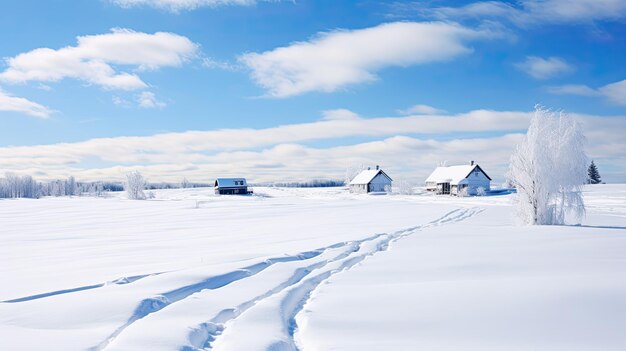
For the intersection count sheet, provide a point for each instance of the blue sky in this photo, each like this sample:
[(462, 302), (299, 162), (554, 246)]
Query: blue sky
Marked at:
[(144, 68)]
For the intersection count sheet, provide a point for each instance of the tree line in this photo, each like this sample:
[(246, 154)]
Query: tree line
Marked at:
[(25, 186)]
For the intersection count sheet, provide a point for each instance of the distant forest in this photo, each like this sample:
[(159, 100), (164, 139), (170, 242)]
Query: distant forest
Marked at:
[(16, 186)]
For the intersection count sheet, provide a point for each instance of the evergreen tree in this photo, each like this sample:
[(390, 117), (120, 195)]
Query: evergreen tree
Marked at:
[(593, 176)]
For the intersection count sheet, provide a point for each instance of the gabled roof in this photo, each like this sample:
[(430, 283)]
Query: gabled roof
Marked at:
[(230, 182), (453, 174), (366, 176)]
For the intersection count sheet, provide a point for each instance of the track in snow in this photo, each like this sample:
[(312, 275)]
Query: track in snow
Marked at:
[(289, 299), (283, 300), (118, 281)]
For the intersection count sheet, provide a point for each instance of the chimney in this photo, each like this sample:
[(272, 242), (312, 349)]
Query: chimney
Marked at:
[(471, 163), (377, 167)]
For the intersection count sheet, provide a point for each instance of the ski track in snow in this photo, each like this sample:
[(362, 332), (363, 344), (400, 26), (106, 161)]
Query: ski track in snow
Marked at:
[(299, 288), (292, 293), (118, 281)]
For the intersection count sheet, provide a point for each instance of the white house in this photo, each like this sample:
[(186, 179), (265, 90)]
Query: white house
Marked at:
[(370, 180), (231, 186), (453, 179)]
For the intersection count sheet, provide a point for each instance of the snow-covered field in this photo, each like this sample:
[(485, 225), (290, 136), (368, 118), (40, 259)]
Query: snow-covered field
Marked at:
[(309, 269)]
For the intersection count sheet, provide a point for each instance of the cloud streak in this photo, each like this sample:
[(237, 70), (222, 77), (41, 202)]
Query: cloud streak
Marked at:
[(337, 59), (201, 155), (11, 103), (421, 110), (95, 57), (544, 68), (536, 12), (179, 5), (147, 99), (613, 92)]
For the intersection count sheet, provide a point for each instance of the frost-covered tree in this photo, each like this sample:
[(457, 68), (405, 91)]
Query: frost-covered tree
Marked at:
[(507, 184), (71, 188), (15, 186), (593, 176), (351, 172), (549, 169), (403, 187), (184, 183), (135, 185), (57, 188), (481, 191), (463, 192)]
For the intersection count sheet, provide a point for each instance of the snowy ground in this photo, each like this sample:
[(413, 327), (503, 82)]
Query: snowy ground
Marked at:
[(309, 269)]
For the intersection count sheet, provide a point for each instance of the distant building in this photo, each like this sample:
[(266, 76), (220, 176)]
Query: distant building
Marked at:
[(454, 179), (370, 180), (231, 186)]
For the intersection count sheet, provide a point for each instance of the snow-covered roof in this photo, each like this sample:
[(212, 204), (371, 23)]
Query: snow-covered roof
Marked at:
[(452, 174), (366, 176), (230, 182)]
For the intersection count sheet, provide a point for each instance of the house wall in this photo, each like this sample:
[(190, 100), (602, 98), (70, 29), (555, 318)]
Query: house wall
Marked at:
[(231, 191), (358, 188), (379, 183), (474, 181)]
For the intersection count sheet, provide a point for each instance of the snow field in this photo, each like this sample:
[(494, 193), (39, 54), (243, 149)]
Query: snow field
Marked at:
[(309, 269)]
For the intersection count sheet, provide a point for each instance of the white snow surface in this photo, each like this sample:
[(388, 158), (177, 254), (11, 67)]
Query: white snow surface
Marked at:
[(309, 269)]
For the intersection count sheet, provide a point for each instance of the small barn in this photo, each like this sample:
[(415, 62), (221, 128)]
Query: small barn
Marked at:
[(231, 186), (370, 180), (455, 179)]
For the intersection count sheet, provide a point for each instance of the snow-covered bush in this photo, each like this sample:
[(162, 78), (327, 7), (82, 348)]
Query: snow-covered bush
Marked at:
[(463, 192), (508, 184), (403, 187), (549, 169), (388, 189), (480, 191), (135, 185)]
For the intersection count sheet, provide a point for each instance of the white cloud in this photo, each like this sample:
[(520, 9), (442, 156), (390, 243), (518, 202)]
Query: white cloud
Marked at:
[(44, 87), (572, 89), (614, 92), (544, 68), (421, 110), (11, 103), (178, 5), (194, 146), (538, 12), (120, 101), (210, 63), (93, 59), (334, 60), (339, 114), (201, 155), (147, 99)]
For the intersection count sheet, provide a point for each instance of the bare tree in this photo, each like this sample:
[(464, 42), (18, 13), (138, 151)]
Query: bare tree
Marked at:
[(403, 187)]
